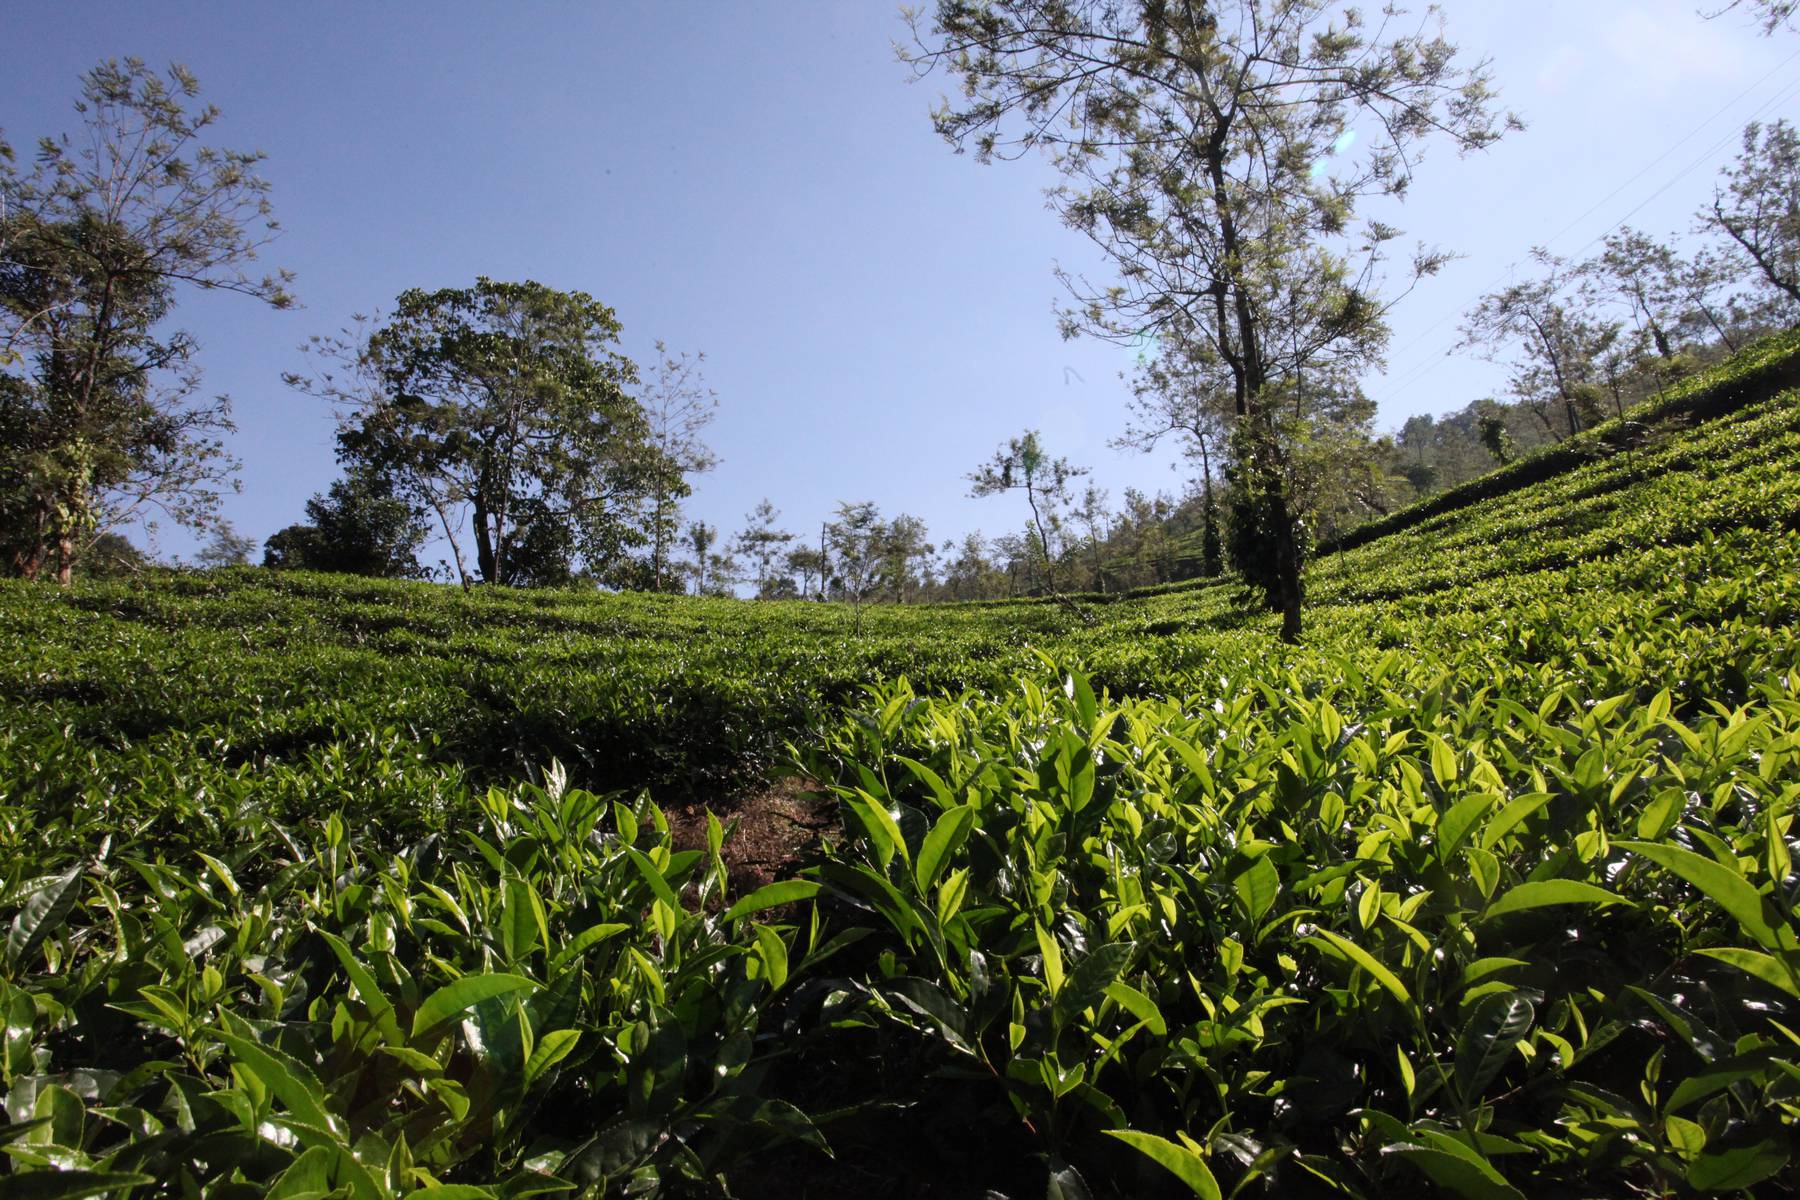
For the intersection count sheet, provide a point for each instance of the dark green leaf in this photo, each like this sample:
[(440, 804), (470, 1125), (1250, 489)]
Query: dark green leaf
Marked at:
[(1490, 1035)]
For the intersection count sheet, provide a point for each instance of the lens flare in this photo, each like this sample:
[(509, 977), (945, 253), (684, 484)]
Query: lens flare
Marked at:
[(1339, 147)]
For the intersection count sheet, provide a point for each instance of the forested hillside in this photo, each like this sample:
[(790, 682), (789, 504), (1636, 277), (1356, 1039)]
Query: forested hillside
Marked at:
[(326, 884)]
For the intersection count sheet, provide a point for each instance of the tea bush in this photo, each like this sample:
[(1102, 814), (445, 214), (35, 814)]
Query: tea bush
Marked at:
[(548, 998), (1502, 908)]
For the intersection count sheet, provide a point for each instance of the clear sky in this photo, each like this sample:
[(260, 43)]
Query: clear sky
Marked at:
[(761, 182)]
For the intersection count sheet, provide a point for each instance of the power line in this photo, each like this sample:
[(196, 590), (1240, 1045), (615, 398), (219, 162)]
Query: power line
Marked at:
[(1432, 361), (1651, 165), (1646, 169), (1786, 94)]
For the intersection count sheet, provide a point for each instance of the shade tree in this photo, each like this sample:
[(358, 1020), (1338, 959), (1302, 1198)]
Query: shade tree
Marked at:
[(1756, 210), (1182, 394), (1553, 341), (1023, 465), (359, 526), (506, 411), (1190, 140)]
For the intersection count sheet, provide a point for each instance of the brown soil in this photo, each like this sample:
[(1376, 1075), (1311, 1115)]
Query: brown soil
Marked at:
[(777, 831)]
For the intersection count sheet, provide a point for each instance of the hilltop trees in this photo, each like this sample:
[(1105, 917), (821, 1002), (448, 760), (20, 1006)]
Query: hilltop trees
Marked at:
[(1647, 276), (1558, 338), (1588, 337), (713, 571), (807, 563), (506, 401), (1191, 139), (100, 417), (225, 548)]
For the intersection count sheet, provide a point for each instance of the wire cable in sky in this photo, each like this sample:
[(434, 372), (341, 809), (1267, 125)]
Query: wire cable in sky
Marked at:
[(1431, 361)]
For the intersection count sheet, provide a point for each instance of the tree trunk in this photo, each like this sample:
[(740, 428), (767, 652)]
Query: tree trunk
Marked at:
[(658, 542), (1211, 560), (1043, 540), (1719, 329), (485, 564), (1661, 339), (443, 516), (30, 563), (1288, 583)]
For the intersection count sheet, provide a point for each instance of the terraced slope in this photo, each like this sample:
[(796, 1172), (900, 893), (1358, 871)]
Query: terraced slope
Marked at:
[(1487, 887)]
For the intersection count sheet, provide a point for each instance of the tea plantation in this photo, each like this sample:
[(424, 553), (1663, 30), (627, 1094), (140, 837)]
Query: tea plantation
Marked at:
[(317, 886)]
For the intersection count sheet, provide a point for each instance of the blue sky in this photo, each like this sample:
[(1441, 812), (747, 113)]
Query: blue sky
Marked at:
[(760, 181)]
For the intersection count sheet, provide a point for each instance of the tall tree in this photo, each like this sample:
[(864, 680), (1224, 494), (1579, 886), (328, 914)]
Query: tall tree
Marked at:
[(507, 403), (1092, 514), (1021, 465), (1191, 138), (677, 406), (1646, 275), (101, 421), (761, 542)]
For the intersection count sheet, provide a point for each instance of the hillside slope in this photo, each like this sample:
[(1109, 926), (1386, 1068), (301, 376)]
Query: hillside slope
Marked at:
[(1488, 885)]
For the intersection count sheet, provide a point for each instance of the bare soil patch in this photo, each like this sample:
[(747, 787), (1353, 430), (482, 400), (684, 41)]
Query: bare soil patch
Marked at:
[(777, 831)]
